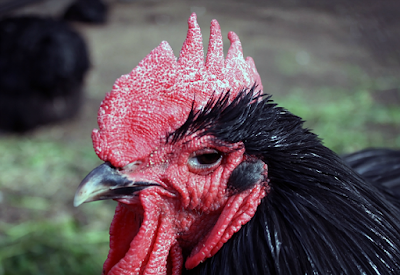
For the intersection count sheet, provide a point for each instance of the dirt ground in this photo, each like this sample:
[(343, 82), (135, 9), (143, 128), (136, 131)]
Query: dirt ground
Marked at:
[(295, 43)]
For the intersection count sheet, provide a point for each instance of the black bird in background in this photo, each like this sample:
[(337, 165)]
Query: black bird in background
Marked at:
[(43, 62)]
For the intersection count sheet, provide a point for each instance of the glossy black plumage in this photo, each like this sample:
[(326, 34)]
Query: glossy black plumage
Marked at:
[(378, 165), (320, 216)]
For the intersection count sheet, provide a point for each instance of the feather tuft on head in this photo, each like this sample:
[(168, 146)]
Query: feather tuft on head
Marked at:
[(157, 96)]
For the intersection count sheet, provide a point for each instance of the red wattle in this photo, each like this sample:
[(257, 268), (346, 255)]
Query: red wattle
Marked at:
[(147, 251), (238, 210), (122, 230)]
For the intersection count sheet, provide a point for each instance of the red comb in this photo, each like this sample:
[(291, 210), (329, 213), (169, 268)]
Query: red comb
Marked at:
[(156, 97)]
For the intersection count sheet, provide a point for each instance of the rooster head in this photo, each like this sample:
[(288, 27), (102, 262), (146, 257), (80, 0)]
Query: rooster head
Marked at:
[(182, 192)]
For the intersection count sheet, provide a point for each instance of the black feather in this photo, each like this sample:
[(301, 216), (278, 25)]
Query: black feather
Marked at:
[(320, 217), (379, 166)]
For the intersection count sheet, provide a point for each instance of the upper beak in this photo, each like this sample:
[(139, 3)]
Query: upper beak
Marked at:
[(105, 182)]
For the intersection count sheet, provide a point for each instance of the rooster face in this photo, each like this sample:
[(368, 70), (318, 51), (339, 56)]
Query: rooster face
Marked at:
[(179, 199), (170, 173)]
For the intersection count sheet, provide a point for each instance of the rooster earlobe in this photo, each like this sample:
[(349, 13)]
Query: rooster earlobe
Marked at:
[(215, 52), (191, 57), (247, 174)]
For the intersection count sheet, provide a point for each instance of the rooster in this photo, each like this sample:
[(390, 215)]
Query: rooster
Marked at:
[(212, 177)]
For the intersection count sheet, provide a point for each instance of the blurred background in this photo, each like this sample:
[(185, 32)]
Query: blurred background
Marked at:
[(336, 64)]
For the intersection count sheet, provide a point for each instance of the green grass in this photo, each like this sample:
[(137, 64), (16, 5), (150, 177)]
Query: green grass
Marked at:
[(47, 247), (40, 231)]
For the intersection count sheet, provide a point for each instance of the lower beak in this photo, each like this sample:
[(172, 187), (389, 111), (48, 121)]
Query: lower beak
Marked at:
[(105, 182)]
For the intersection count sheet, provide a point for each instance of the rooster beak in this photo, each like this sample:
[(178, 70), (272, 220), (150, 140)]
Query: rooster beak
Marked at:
[(105, 182)]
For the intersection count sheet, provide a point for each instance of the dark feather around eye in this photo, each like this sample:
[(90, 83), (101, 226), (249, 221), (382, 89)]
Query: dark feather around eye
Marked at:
[(246, 175)]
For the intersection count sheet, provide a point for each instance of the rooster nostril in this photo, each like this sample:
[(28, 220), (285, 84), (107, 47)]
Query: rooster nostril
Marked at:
[(131, 167)]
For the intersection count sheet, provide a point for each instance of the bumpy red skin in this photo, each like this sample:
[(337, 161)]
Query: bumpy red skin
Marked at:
[(189, 211), (191, 208)]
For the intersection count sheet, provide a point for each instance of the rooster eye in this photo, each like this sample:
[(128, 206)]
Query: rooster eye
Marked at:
[(207, 159), (204, 160)]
